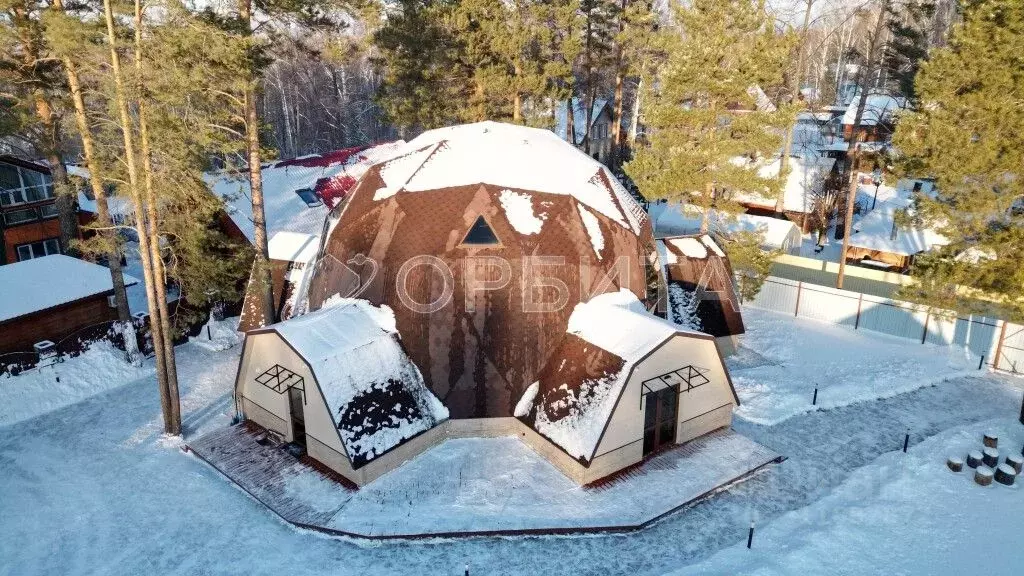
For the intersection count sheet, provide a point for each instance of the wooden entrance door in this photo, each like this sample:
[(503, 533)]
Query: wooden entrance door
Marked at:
[(296, 403), (660, 419)]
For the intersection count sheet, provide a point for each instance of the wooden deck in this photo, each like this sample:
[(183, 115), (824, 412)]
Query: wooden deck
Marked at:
[(479, 486)]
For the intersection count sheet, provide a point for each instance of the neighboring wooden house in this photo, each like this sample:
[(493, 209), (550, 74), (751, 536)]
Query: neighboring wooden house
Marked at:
[(599, 146), (28, 212), (52, 297), (879, 241), (810, 177), (878, 122)]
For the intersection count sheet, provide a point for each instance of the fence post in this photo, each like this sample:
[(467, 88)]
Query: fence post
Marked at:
[(799, 288), (999, 346), (860, 300)]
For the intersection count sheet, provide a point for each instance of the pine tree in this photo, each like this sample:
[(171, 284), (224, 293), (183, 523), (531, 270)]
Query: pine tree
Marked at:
[(35, 81), (637, 23), (423, 84), (65, 38), (969, 134), (599, 20), (707, 138), (701, 116), (909, 28)]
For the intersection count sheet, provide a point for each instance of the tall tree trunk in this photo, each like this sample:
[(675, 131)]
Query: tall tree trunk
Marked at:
[(289, 134), (857, 135), (570, 120), (620, 72), (50, 142), (705, 216), (259, 220), (152, 218), (517, 97), (794, 91), (141, 227), (103, 219), (634, 117)]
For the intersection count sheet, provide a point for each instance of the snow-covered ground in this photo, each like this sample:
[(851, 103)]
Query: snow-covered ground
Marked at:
[(901, 514), (93, 488), (55, 386), (845, 366)]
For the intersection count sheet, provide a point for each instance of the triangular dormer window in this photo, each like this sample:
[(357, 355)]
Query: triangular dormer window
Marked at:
[(480, 234)]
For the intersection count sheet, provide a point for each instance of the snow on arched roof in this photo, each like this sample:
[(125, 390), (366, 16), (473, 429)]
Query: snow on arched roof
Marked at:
[(618, 324), (509, 157), (351, 347)]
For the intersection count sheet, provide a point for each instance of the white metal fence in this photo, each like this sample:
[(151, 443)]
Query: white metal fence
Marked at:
[(995, 342)]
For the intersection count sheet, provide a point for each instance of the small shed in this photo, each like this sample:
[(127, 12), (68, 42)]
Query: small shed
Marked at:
[(701, 294), (625, 384), (51, 298), (338, 383), (291, 257)]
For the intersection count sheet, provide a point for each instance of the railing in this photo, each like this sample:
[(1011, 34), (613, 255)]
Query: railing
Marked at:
[(70, 346)]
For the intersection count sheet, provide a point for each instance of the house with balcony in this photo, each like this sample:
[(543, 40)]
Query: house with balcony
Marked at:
[(28, 212)]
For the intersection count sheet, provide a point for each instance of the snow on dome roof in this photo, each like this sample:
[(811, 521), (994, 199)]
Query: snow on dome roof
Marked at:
[(375, 394), (40, 283), (509, 157)]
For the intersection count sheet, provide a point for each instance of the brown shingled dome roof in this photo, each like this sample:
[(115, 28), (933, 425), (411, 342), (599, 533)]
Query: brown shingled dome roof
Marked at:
[(464, 199)]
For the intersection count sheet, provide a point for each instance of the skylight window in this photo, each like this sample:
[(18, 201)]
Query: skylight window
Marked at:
[(480, 234), (309, 197)]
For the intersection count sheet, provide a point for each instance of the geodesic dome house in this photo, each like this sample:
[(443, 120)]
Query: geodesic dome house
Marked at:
[(499, 231), (506, 275)]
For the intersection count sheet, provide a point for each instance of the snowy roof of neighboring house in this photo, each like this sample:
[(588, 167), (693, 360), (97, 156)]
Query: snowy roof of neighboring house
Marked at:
[(579, 117), (293, 247), (806, 178), (605, 338), (878, 108), (874, 231), (509, 157), (40, 283), (365, 376), (672, 219), (284, 209), (117, 205)]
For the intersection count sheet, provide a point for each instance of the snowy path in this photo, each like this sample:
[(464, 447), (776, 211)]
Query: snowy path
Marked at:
[(901, 514), (92, 489)]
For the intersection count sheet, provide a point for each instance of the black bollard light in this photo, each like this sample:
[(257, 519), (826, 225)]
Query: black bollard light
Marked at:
[(1022, 410), (814, 401), (906, 441), (467, 569), (750, 535)]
